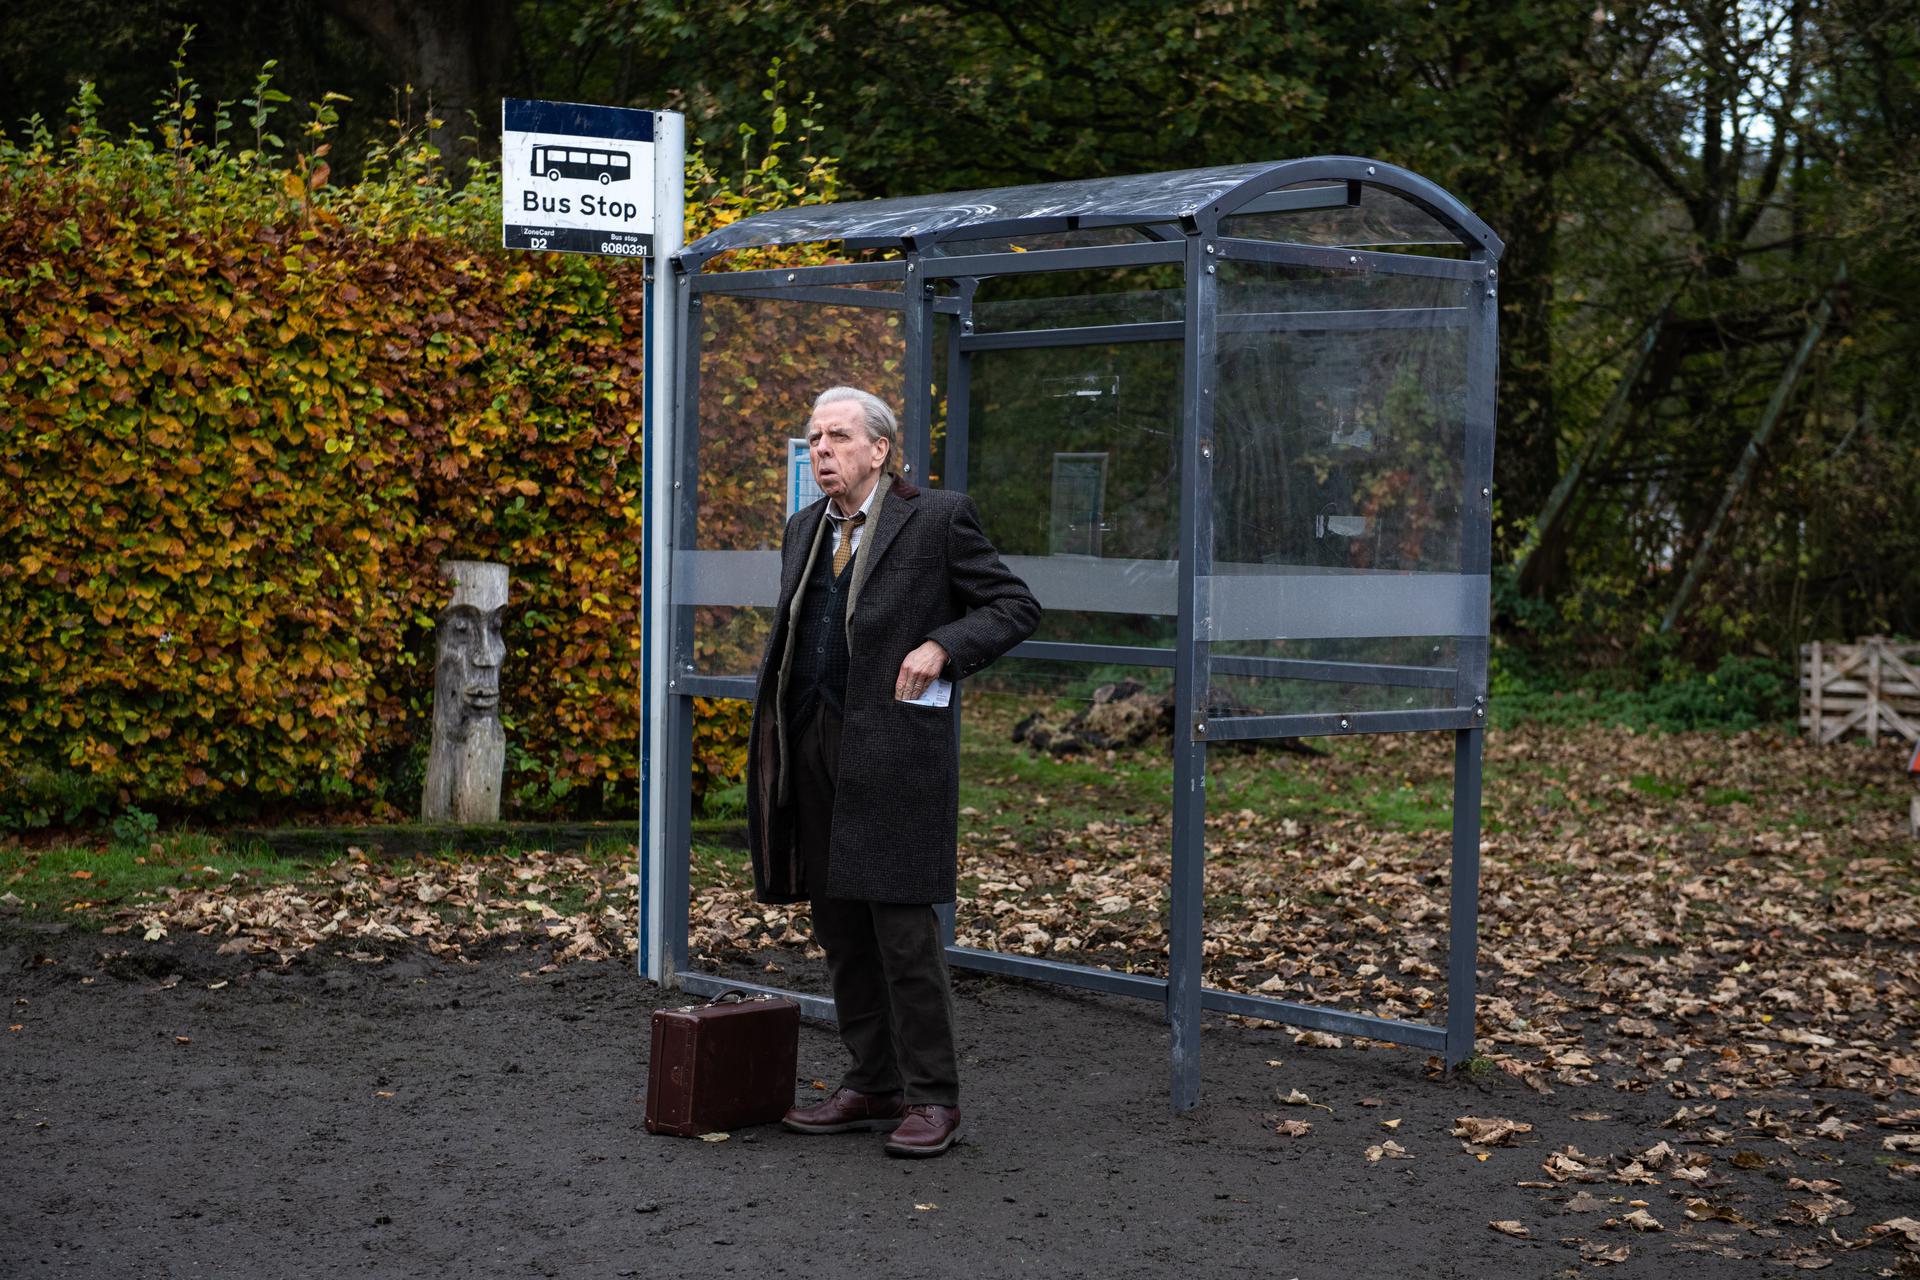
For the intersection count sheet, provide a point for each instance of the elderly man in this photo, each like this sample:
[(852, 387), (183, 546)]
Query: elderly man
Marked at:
[(888, 594)]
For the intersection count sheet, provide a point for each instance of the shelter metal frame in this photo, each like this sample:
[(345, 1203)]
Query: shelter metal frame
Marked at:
[(1180, 223)]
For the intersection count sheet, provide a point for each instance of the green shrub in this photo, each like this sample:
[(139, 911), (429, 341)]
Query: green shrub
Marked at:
[(134, 829), (1739, 693)]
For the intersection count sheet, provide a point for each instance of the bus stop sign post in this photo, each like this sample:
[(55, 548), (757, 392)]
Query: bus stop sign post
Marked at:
[(576, 178)]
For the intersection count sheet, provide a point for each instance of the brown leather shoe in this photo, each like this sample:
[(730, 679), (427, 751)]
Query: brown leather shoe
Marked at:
[(847, 1111), (927, 1130)]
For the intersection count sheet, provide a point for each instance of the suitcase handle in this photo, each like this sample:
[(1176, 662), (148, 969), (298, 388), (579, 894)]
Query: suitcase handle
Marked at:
[(730, 997)]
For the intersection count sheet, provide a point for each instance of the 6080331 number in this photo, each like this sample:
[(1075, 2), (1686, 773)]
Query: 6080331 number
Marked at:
[(623, 249)]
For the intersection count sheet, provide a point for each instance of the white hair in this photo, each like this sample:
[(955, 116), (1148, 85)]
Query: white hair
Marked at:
[(874, 414)]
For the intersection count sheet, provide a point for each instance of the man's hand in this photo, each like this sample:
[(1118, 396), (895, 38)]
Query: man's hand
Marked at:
[(921, 668)]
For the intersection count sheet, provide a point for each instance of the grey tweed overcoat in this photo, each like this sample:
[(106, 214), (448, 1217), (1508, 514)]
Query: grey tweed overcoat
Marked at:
[(924, 570)]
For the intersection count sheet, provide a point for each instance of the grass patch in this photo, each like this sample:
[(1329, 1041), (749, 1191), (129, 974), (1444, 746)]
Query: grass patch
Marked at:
[(1410, 808), (1659, 788), (402, 840), (1005, 781), (718, 860), (62, 881), (1309, 791), (88, 882), (1010, 786), (1477, 1067)]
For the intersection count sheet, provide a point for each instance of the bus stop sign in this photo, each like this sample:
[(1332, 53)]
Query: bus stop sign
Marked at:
[(576, 178)]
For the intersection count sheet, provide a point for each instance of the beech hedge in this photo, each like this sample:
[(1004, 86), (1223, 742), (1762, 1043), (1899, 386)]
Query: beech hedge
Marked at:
[(244, 414)]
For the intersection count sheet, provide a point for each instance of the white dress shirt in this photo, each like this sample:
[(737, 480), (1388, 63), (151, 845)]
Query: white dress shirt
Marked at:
[(841, 523)]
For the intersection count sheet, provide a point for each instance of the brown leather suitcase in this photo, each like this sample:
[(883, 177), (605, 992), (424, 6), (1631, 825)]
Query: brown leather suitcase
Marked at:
[(721, 1066)]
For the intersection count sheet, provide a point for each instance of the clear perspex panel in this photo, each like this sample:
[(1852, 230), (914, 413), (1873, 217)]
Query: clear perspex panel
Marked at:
[(1340, 425), (1338, 503), (1380, 219), (762, 362), (1072, 452)]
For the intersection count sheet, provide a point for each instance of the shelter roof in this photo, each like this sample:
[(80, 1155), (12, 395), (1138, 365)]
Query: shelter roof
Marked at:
[(1131, 200)]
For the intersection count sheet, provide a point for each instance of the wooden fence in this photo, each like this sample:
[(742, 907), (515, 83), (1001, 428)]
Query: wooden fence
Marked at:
[(1869, 688)]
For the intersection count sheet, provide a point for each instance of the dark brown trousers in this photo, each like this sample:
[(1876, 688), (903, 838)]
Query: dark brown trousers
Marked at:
[(886, 960)]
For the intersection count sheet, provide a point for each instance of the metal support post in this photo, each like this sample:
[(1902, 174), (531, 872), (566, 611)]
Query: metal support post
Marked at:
[(1463, 926), (916, 392), (674, 886), (1476, 554), (953, 475), (1185, 958), (677, 755), (953, 461), (663, 338)]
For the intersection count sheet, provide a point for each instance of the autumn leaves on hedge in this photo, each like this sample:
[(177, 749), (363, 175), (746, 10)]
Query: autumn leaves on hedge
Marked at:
[(242, 417)]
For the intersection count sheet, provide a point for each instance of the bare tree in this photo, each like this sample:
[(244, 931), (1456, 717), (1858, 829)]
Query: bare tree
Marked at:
[(1720, 134)]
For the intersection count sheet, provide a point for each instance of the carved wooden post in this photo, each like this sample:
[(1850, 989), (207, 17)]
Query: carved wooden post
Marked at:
[(469, 749)]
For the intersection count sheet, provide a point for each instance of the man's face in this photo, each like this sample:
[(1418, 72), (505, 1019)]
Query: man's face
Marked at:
[(845, 461)]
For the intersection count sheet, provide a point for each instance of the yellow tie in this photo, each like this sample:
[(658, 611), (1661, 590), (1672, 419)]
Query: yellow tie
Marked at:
[(844, 552)]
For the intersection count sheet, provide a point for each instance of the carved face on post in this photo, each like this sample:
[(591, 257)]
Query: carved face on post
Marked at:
[(467, 672)]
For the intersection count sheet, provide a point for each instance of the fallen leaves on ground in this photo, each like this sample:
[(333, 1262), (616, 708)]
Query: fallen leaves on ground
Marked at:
[(1510, 1227), (1570, 1163), (1702, 1210), (1717, 920), (1678, 895), (1488, 1131), (575, 908), (1902, 1230)]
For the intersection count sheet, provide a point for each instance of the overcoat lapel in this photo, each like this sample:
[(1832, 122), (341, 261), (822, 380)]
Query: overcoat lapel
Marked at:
[(793, 578), (793, 569), (893, 513)]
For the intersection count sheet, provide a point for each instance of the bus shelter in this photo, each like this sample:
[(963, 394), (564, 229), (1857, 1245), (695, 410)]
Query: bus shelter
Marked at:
[(1234, 424)]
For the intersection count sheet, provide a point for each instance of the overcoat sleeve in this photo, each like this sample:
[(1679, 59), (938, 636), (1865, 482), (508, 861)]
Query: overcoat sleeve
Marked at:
[(998, 611)]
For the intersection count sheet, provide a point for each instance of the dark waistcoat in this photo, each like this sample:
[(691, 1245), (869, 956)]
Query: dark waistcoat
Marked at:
[(820, 658)]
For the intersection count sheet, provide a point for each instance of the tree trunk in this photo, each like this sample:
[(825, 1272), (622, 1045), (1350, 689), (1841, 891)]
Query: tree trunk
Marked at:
[(1749, 462), (1543, 561), (1527, 458), (456, 53)]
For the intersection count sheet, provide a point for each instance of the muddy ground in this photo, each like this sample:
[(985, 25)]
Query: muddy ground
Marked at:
[(177, 1112)]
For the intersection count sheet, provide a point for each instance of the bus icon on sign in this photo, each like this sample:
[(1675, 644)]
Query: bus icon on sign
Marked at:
[(555, 163)]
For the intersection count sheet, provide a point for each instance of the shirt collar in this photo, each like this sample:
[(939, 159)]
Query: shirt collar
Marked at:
[(833, 512)]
